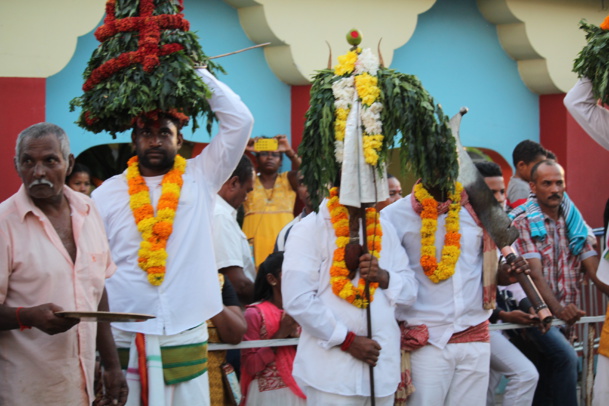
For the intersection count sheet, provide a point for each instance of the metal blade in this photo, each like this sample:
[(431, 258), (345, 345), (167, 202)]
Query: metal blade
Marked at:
[(489, 211)]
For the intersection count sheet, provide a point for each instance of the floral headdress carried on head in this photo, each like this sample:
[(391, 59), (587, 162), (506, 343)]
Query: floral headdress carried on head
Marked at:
[(144, 66), (592, 59), (360, 94)]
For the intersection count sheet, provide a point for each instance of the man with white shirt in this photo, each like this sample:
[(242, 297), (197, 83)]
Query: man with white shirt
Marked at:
[(334, 355), (233, 253), (158, 216), (446, 329)]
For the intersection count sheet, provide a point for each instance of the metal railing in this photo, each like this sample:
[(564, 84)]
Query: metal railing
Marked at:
[(581, 346), (592, 302)]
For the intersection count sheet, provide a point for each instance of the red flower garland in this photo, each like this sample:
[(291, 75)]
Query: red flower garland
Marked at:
[(149, 27)]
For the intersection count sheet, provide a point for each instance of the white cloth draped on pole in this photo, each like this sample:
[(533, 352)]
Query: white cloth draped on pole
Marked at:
[(360, 182)]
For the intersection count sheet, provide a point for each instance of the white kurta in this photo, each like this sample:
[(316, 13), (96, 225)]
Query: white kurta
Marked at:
[(230, 243), (325, 318), (452, 305), (593, 118), (190, 293)]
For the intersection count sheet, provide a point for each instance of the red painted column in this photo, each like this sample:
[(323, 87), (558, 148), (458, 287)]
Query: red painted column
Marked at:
[(586, 163), (300, 105), (22, 103)]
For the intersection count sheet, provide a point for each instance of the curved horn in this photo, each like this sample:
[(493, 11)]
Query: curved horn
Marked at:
[(380, 55), (330, 56)]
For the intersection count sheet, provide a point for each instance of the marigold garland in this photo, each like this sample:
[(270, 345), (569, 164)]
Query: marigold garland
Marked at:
[(155, 230), (339, 274), (429, 224)]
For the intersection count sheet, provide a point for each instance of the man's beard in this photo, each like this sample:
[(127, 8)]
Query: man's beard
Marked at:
[(165, 163)]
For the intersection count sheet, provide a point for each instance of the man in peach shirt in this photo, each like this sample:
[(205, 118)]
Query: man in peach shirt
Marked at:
[(54, 256)]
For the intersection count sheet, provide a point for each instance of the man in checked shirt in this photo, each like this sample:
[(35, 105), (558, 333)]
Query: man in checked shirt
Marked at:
[(555, 244)]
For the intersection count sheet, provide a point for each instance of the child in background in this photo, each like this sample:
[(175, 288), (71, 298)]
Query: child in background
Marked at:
[(266, 373), (80, 179), (526, 154)]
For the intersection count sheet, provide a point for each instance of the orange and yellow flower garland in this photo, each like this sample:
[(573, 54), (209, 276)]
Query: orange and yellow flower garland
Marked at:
[(429, 224), (155, 230), (339, 274)]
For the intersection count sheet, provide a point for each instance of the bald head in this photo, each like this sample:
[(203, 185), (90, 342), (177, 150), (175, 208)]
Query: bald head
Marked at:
[(545, 162)]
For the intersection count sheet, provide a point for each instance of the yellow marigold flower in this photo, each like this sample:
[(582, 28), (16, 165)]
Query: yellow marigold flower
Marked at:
[(139, 199), (346, 63), (342, 114), (429, 251), (340, 264), (342, 241), (340, 127), (371, 157), (451, 251), (367, 89), (165, 214), (428, 241), (156, 279), (171, 189), (146, 224)]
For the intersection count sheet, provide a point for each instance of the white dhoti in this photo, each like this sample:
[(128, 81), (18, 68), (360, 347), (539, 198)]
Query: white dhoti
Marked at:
[(317, 397), (455, 375), (194, 392)]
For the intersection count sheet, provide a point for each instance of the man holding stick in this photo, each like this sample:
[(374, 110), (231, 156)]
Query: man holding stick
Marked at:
[(334, 353), (343, 270)]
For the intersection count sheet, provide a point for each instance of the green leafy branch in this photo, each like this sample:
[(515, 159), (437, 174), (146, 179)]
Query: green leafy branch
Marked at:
[(427, 146), (593, 60)]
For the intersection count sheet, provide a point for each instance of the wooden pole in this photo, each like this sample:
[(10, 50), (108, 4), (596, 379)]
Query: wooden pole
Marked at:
[(233, 53), (367, 295)]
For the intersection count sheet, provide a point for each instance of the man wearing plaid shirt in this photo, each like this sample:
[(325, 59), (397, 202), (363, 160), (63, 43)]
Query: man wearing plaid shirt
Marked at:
[(555, 265)]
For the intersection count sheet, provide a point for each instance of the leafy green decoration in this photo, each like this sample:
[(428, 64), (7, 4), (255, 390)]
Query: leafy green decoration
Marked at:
[(427, 146), (114, 103), (319, 167), (593, 60)]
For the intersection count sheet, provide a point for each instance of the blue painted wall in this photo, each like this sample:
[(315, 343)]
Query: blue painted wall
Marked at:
[(217, 25), (457, 56), (454, 51)]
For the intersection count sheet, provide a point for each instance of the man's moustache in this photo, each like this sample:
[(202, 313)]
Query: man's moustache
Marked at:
[(38, 182)]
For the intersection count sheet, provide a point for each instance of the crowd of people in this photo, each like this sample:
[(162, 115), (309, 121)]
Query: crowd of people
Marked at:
[(405, 321)]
